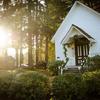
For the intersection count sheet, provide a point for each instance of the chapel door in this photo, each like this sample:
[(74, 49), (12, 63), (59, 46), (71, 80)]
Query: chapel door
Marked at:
[(81, 49)]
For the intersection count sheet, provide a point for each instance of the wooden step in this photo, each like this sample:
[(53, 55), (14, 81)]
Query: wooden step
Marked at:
[(73, 70)]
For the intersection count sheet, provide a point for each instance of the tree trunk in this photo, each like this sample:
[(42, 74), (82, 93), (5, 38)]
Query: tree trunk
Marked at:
[(16, 57), (21, 56), (30, 63), (30, 49), (36, 49), (46, 50), (40, 37)]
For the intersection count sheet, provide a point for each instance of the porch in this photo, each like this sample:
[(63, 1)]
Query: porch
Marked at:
[(78, 44)]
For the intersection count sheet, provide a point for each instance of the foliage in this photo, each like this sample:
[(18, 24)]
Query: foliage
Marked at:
[(54, 66), (41, 64), (95, 62), (65, 54), (66, 87), (31, 85), (91, 82), (92, 63), (77, 87), (27, 85), (5, 82)]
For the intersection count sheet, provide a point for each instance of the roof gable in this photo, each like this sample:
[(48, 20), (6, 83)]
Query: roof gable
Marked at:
[(68, 15), (81, 31)]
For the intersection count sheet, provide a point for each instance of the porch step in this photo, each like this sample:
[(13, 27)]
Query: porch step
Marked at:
[(72, 70)]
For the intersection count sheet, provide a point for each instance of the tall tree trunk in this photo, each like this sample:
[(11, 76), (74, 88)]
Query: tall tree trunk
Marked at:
[(21, 39), (46, 50), (21, 55), (91, 4), (30, 63), (16, 57), (37, 49), (41, 51), (33, 50)]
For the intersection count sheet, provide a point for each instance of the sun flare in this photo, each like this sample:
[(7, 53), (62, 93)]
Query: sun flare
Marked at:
[(6, 43), (4, 38)]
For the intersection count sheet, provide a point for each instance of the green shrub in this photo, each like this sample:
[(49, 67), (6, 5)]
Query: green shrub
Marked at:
[(41, 64), (27, 85), (93, 63), (54, 66), (31, 85), (66, 87), (91, 82), (77, 87), (5, 82), (35, 85)]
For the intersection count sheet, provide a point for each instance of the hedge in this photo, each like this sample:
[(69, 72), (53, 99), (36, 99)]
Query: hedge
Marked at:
[(77, 87), (66, 87), (27, 85), (31, 85)]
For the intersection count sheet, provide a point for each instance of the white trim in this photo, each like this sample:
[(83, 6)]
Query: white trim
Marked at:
[(66, 37)]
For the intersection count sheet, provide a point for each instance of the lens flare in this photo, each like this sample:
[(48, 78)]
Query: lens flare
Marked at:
[(4, 38)]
